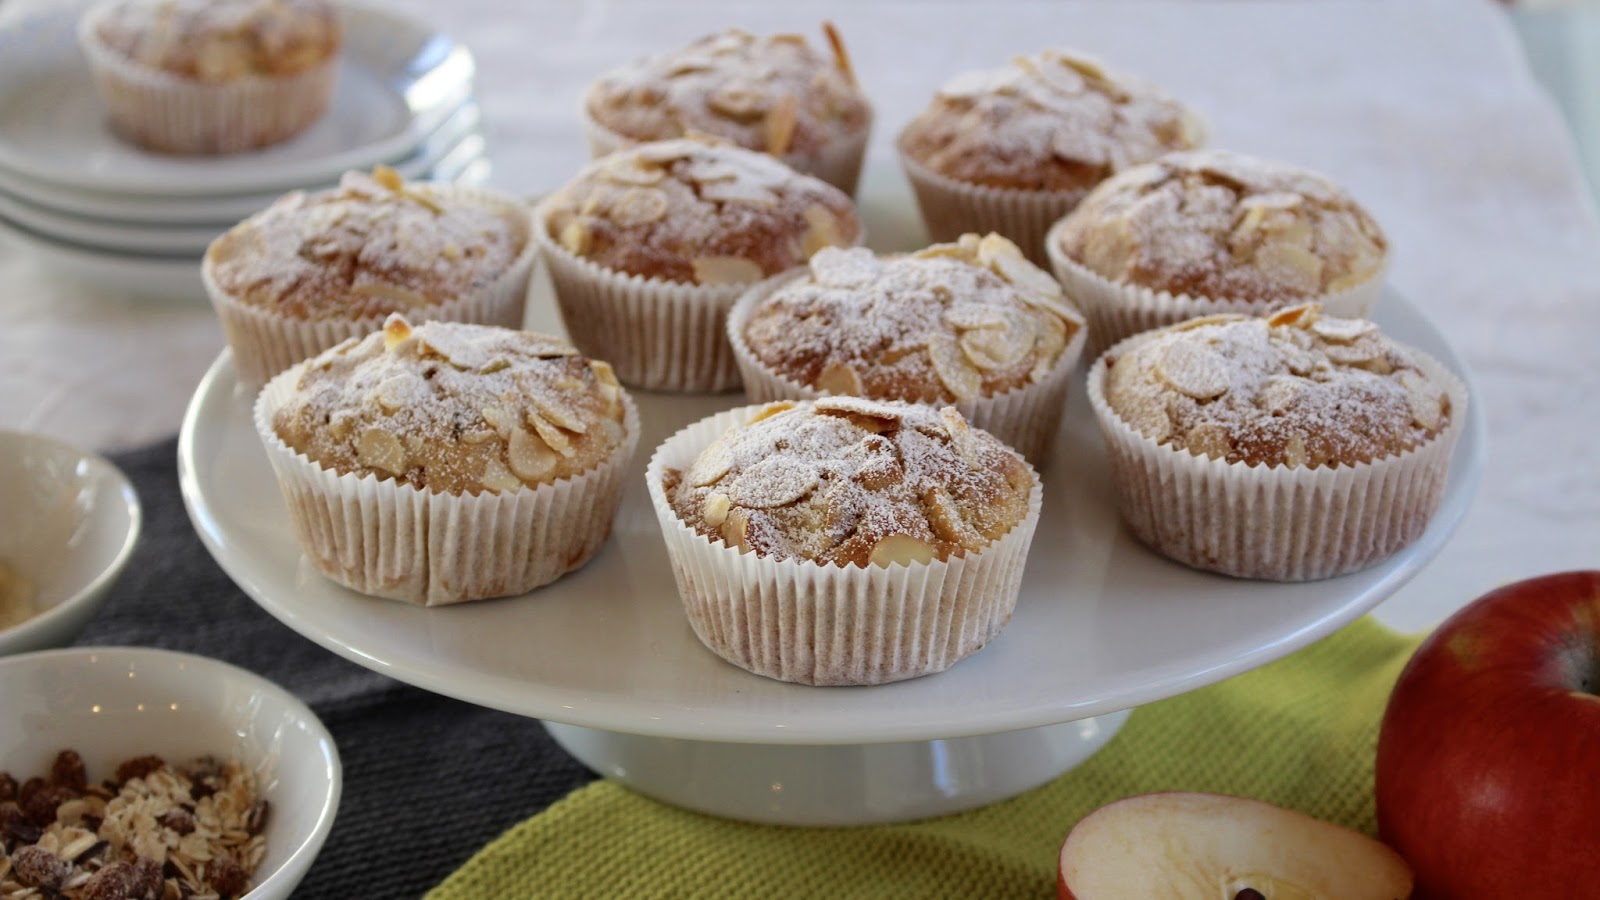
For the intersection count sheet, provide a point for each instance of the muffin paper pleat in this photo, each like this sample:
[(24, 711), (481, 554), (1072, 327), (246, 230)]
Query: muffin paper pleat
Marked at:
[(1025, 417), (1116, 311), (805, 622), (387, 539), (1275, 523), (266, 341)]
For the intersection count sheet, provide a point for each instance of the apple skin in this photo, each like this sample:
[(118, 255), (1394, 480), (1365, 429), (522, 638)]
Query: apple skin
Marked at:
[(1488, 751)]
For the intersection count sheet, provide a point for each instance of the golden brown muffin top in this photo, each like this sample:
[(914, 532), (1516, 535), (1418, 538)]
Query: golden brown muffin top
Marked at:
[(774, 94), (1051, 122), (1223, 225), (698, 212), (949, 323), (1297, 388), (375, 245), (221, 40), (849, 481), (455, 408)]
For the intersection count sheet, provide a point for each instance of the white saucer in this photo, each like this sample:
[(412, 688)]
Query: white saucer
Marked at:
[(398, 79)]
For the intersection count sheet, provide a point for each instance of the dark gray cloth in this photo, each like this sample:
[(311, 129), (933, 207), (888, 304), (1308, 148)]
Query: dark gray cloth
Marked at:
[(427, 780)]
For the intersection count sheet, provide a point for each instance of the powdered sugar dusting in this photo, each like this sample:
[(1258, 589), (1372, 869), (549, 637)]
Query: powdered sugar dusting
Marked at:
[(1221, 225), (218, 40), (832, 482), (1298, 390), (1054, 121), (366, 249), (658, 209), (454, 408)]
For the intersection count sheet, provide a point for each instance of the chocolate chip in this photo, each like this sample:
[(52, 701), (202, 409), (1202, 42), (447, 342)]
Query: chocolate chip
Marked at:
[(226, 876), (114, 882), (138, 767), (179, 820), (8, 787), (68, 770), (40, 806)]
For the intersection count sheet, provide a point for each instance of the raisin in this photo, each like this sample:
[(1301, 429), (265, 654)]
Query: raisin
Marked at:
[(38, 867), (8, 787), (139, 767), (226, 876), (68, 770), (114, 882), (14, 825), (256, 820), (206, 777), (40, 807), (177, 819)]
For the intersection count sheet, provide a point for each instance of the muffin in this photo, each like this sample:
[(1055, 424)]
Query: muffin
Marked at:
[(1215, 232), (314, 269), (971, 324), (448, 462), (844, 540), (212, 76), (772, 94), (648, 247), (1292, 447), (1012, 150)]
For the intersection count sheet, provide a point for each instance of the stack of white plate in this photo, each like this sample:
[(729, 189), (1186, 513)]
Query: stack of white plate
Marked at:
[(89, 205)]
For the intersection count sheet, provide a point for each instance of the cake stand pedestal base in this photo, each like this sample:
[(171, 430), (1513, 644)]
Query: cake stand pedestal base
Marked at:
[(838, 784)]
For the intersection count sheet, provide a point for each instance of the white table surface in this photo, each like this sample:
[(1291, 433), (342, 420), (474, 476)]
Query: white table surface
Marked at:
[(1425, 110)]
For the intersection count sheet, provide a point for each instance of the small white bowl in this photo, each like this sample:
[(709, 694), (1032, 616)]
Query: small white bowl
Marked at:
[(68, 522), (111, 704)]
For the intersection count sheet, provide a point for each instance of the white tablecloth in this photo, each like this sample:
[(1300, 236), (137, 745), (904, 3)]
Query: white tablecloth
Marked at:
[(1426, 110)]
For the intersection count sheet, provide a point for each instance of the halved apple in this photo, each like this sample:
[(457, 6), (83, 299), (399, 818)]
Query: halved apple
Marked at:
[(1214, 847)]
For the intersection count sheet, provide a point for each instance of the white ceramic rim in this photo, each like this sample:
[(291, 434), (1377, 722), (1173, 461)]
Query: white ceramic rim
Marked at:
[(23, 632)]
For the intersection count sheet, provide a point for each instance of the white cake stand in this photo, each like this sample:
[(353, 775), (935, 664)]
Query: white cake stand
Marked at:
[(606, 658)]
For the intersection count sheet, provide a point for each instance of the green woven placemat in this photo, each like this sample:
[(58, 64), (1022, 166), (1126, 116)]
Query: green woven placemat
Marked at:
[(1300, 732)]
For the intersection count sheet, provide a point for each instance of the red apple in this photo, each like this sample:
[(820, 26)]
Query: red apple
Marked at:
[(1487, 756), (1213, 847)]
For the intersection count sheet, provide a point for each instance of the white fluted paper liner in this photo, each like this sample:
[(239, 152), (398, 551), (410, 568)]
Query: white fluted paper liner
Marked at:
[(839, 163), (951, 208), (393, 540), (164, 112), (658, 335), (801, 621), (1116, 311), (1025, 417), (266, 342), (1280, 523)]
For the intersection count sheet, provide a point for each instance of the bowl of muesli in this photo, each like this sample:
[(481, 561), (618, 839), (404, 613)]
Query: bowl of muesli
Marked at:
[(129, 773)]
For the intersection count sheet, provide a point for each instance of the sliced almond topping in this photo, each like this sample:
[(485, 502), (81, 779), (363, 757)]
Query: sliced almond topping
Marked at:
[(497, 478), (770, 410), (1009, 263), (738, 100), (1209, 439), (1426, 401), (530, 457), (378, 449), (709, 467), (781, 120), (563, 416), (716, 508), (477, 436), (1195, 371), (499, 419), (663, 152), (841, 58), (575, 237), (1294, 266), (773, 482), (735, 528), (992, 349), (945, 519), (1278, 394), (1294, 452), (708, 171), (1050, 338), (950, 364), (966, 315), (550, 433), (822, 230), (839, 378), (1342, 330), (603, 371), (638, 206), (1289, 315), (1358, 352), (962, 437), (388, 178), (392, 292), (858, 406), (632, 170), (901, 549), (726, 270), (396, 391), (737, 191), (425, 198)]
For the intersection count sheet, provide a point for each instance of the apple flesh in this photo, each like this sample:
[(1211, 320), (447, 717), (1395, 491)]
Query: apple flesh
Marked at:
[(1215, 847), (1487, 755)]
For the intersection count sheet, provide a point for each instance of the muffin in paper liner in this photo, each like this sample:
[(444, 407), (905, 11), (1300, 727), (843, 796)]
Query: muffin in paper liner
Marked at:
[(1276, 523), (1026, 417), (428, 548), (839, 164), (266, 342), (951, 208), (1116, 311), (810, 623), (164, 112)]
